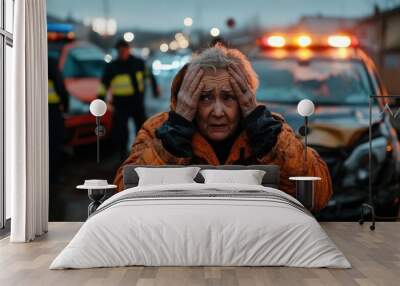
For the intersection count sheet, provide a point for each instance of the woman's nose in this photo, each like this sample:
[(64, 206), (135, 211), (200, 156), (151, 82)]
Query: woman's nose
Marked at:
[(218, 108)]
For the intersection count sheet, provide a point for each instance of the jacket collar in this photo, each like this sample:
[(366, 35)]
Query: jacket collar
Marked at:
[(202, 149)]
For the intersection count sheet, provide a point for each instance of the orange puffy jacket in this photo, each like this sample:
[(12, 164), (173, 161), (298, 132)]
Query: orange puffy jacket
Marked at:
[(288, 153)]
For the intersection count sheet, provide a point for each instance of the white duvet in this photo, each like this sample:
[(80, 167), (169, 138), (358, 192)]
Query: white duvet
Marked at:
[(188, 231)]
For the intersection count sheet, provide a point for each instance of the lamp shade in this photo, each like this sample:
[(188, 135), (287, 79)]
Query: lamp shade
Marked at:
[(305, 107), (98, 107)]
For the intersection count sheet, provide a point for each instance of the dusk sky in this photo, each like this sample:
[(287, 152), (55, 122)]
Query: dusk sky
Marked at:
[(167, 15)]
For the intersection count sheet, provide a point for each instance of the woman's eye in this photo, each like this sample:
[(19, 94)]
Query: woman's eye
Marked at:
[(205, 97), (229, 97)]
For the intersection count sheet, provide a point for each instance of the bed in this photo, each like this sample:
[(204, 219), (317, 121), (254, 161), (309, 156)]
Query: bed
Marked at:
[(198, 224)]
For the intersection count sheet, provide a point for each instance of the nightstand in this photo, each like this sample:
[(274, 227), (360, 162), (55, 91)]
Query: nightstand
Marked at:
[(97, 191), (305, 188)]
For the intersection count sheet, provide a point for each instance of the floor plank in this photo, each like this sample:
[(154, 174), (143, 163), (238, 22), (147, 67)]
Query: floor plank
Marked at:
[(375, 257)]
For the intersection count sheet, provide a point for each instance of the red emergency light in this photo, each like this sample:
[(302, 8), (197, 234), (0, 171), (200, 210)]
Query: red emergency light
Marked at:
[(56, 36), (307, 41)]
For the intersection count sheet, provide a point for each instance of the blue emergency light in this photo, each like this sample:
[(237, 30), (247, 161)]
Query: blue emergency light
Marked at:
[(60, 27)]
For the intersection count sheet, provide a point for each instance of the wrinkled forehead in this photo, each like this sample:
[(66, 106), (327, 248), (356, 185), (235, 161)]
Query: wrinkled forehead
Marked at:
[(216, 79)]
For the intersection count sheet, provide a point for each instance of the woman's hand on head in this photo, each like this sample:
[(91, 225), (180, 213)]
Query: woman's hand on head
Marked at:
[(245, 96), (189, 93)]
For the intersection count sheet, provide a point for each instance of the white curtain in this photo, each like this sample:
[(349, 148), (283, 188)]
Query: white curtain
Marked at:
[(26, 124)]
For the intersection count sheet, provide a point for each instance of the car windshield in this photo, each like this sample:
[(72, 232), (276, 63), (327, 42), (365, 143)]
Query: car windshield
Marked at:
[(324, 81), (84, 62)]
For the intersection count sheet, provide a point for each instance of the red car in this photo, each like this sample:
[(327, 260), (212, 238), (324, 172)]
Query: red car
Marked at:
[(81, 64)]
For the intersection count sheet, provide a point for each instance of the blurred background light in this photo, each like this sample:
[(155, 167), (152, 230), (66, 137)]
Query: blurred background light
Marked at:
[(145, 53), (129, 36), (104, 27), (173, 45), (179, 36), (188, 22), (164, 47), (214, 32), (107, 58), (184, 44)]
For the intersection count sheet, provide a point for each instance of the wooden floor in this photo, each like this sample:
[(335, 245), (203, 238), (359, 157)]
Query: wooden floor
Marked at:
[(375, 256)]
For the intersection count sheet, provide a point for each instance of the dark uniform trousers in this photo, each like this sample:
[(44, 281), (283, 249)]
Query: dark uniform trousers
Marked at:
[(125, 108)]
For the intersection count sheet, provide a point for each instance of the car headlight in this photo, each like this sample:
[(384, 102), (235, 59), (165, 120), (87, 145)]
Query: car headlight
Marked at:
[(356, 165)]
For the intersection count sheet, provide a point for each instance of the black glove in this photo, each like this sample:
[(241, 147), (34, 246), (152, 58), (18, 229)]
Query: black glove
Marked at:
[(262, 130), (176, 135)]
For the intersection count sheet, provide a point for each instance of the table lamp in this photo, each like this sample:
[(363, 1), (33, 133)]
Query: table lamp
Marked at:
[(98, 108), (305, 186), (305, 108)]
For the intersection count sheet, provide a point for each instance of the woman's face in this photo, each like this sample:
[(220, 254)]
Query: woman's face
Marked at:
[(218, 111)]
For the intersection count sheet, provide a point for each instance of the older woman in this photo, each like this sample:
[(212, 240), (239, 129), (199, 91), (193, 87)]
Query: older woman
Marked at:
[(215, 119)]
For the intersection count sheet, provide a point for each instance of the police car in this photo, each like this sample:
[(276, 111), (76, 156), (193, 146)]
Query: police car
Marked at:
[(335, 73), (81, 64)]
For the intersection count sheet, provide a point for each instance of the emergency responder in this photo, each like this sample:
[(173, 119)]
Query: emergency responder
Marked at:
[(58, 100), (126, 76)]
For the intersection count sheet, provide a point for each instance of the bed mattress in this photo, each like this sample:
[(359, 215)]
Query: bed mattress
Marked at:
[(201, 225)]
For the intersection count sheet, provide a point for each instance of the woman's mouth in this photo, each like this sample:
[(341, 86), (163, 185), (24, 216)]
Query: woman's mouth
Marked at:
[(218, 127)]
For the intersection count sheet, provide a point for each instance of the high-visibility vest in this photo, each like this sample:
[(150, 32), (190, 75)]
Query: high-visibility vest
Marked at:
[(53, 97), (102, 91), (139, 80), (121, 85)]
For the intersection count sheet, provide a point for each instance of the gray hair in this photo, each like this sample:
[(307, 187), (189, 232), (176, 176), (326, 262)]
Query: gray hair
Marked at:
[(220, 57)]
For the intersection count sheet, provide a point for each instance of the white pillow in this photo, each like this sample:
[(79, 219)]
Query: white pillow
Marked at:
[(166, 176), (248, 177)]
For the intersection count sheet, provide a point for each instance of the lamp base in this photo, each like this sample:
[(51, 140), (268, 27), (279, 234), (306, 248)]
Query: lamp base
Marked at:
[(373, 217), (305, 190), (96, 197), (305, 193)]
